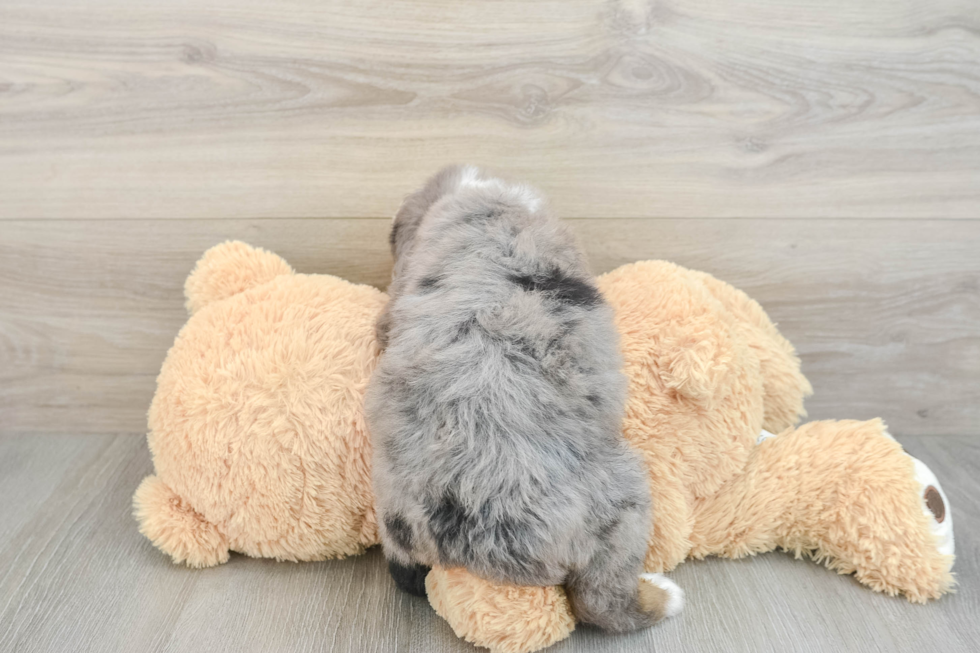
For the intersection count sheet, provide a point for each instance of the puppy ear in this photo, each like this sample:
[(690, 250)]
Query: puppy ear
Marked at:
[(228, 269)]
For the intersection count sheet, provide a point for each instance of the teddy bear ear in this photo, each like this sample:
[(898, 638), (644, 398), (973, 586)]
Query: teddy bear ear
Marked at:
[(228, 269)]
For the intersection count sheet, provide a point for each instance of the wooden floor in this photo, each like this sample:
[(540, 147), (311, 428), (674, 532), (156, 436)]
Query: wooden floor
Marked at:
[(823, 155), (76, 576)]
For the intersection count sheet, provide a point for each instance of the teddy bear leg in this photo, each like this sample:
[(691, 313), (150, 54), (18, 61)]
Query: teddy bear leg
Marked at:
[(841, 492), (504, 618), (935, 505), (175, 528)]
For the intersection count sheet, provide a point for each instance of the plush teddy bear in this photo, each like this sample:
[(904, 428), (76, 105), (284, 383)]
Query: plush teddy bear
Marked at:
[(260, 446)]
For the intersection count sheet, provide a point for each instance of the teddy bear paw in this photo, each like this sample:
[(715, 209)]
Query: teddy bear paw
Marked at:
[(936, 506)]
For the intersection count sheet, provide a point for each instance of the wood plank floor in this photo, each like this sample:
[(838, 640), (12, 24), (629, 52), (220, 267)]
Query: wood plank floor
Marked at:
[(76, 576)]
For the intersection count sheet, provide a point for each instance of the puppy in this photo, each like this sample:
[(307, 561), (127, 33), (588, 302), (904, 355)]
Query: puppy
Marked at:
[(495, 409)]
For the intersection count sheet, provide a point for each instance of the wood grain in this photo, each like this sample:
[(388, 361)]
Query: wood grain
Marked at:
[(617, 108), (885, 313), (77, 577)]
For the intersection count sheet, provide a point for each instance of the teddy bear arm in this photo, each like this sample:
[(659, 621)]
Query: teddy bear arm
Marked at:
[(504, 618), (175, 528), (784, 386)]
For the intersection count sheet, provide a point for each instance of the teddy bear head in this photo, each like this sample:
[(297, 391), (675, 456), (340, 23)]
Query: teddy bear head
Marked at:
[(256, 428)]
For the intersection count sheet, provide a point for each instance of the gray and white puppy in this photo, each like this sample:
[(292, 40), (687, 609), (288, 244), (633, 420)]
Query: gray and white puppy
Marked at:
[(496, 408)]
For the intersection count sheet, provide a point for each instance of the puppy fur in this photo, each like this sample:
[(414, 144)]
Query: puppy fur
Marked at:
[(495, 409)]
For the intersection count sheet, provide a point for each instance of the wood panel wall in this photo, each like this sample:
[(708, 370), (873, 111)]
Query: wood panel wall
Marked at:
[(823, 155)]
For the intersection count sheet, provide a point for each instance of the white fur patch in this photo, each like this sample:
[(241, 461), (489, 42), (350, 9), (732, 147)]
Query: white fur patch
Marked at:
[(676, 601), (518, 194), (528, 198), (471, 179)]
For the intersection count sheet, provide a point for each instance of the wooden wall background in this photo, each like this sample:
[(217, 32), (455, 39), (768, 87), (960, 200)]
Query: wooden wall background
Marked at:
[(823, 155)]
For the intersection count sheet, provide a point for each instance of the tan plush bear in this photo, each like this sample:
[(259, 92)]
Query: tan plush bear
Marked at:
[(260, 446)]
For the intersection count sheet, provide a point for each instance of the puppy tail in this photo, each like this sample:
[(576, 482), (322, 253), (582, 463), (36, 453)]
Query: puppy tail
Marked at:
[(617, 607), (659, 597)]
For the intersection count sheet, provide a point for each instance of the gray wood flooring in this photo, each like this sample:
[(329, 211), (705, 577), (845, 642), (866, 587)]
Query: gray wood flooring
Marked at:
[(76, 576)]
